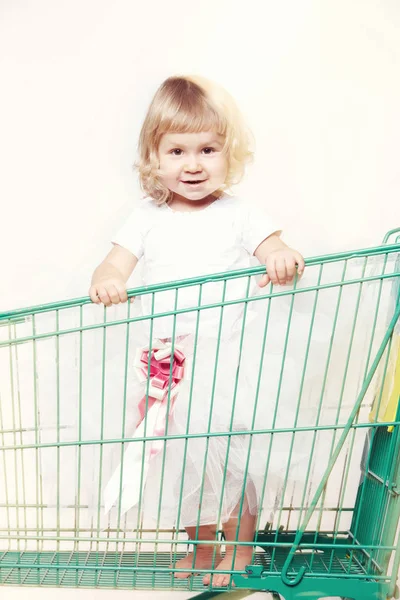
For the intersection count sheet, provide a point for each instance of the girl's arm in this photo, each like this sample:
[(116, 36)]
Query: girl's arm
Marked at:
[(280, 261), (109, 279)]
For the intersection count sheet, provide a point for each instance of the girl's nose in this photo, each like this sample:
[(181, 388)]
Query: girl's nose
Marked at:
[(193, 166)]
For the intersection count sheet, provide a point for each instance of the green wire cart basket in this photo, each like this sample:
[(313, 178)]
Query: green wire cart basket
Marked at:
[(337, 534)]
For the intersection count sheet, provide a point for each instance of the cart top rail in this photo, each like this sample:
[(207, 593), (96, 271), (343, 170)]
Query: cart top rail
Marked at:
[(257, 270)]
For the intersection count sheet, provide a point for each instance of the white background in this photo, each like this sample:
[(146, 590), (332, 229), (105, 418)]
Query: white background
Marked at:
[(318, 82)]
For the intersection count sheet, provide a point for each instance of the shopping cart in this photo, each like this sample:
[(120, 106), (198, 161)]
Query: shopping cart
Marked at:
[(336, 534)]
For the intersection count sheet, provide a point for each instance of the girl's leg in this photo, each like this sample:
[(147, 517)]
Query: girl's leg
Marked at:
[(207, 556), (243, 555)]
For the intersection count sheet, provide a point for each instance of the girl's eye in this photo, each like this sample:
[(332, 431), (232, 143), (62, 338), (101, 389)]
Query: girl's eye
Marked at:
[(178, 151)]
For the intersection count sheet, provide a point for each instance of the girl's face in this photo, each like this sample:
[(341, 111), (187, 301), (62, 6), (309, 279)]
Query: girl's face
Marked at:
[(192, 165)]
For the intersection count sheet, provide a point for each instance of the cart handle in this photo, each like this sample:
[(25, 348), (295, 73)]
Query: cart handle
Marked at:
[(389, 234)]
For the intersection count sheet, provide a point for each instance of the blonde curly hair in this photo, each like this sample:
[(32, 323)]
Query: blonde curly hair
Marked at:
[(191, 104)]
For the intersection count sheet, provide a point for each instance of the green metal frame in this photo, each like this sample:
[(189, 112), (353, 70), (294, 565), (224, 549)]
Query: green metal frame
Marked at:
[(298, 563)]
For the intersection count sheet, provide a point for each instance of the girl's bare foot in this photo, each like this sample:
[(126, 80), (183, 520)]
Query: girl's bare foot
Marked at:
[(238, 529), (205, 559), (242, 559)]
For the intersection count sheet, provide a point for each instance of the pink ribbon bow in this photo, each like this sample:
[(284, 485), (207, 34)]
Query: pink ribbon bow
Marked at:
[(164, 380), (163, 373)]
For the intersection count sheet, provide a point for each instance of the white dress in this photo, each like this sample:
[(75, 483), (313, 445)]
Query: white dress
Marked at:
[(215, 395), (265, 365)]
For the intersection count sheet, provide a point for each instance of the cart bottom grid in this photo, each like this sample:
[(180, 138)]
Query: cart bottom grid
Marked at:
[(340, 571)]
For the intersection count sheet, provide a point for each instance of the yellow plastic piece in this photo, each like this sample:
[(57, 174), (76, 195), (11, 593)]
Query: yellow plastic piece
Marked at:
[(391, 389)]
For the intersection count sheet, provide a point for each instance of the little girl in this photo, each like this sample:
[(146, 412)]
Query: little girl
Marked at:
[(193, 147)]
